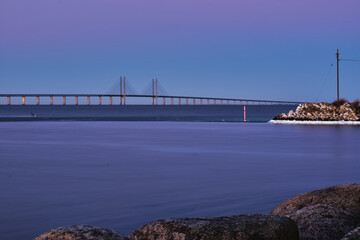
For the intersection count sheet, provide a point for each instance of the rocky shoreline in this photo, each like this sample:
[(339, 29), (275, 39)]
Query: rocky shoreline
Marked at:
[(329, 214), (308, 122), (336, 111)]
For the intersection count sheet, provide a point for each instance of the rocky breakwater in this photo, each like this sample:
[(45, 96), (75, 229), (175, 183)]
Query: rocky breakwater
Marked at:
[(331, 213), (337, 111)]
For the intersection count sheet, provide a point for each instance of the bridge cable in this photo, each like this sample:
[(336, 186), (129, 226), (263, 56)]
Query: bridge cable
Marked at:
[(161, 89), (130, 90), (114, 89), (148, 89)]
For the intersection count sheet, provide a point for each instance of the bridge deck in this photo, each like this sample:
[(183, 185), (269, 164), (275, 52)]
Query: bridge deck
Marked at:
[(232, 100)]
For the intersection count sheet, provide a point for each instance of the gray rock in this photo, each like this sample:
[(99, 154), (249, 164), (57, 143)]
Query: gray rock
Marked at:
[(323, 222), (241, 227), (345, 197), (353, 235), (81, 232)]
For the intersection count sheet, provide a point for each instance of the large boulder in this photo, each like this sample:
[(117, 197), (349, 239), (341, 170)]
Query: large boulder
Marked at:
[(81, 232), (244, 227), (353, 235), (345, 197), (323, 222)]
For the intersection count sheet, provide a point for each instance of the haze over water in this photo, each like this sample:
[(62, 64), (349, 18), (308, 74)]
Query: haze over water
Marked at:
[(122, 175)]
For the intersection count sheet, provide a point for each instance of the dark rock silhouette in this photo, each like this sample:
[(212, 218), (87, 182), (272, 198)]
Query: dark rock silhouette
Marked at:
[(323, 222), (326, 214), (81, 232), (345, 197), (240, 227)]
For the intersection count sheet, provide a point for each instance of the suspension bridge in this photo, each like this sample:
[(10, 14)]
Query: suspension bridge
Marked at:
[(156, 98)]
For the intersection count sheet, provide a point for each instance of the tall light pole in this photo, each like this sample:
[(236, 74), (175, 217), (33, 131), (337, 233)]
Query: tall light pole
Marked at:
[(337, 65)]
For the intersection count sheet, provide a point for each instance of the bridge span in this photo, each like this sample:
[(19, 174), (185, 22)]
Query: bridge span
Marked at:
[(122, 96), (156, 99)]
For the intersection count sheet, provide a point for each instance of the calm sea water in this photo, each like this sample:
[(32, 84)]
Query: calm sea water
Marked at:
[(122, 175), (193, 113)]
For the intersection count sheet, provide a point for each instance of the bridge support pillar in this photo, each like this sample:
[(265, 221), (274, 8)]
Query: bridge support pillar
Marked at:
[(110, 100), (172, 101), (99, 100), (247, 102), (9, 100), (179, 101), (221, 102), (187, 101), (194, 102), (200, 101), (227, 102), (240, 102), (64, 100), (37, 100), (214, 101), (208, 101), (23, 100), (234, 102), (51, 100), (76, 100), (88, 100), (164, 102)]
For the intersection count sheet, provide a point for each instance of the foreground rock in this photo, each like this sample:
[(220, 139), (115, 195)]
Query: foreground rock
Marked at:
[(353, 235), (81, 232), (323, 222), (322, 112), (327, 213), (345, 197), (241, 227)]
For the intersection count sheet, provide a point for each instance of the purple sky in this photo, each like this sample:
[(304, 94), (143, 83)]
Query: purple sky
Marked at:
[(225, 48)]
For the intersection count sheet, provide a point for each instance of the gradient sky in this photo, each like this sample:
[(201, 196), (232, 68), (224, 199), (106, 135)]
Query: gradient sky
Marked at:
[(262, 49)]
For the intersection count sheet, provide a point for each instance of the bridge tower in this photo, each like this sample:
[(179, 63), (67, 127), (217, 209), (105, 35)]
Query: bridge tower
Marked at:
[(120, 90)]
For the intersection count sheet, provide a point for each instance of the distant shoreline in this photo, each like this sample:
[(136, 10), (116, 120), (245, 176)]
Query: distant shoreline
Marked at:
[(308, 122)]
